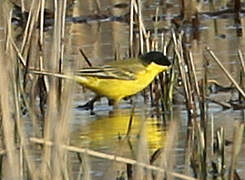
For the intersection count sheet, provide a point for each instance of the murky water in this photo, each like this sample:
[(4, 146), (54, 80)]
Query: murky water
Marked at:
[(106, 130)]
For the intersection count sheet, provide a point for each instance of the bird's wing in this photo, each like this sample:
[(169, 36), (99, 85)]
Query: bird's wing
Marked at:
[(118, 70), (107, 72)]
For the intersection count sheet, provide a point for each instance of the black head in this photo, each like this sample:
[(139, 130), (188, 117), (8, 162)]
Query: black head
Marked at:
[(156, 57)]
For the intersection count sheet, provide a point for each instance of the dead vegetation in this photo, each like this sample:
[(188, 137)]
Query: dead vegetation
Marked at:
[(47, 102)]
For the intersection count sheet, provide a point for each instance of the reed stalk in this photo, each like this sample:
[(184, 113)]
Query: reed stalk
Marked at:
[(226, 72), (111, 157)]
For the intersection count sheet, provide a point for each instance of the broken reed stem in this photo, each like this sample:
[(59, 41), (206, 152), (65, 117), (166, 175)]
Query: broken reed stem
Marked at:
[(41, 63), (241, 60), (142, 154), (53, 99), (85, 57), (220, 142), (131, 28), (147, 41), (204, 107), (32, 20), (111, 157), (223, 104), (59, 103), (27, 26), (194, 74), (130, 121), (62, 131), (98, 6), (41, 24), (179, 53), (163, 45), (141, 27), (226, 72), (185, 77), (192, 84), (24, 150), (9, 31), (237, 143), (22, 6), (201, 153), (156, 22), (63, 15), (212, 134), (167, 161), (170, 91), (242, 74), (117, 53), (44, 79), (20, 57), (8, 131), (84, 168)]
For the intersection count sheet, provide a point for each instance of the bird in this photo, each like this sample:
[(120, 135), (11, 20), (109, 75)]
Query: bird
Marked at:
[(117, 79)]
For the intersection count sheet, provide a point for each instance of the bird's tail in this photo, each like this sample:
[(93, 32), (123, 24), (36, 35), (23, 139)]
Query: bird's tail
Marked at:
[(59, 75)]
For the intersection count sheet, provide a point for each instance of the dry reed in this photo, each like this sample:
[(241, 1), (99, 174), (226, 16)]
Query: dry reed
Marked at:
[(56, 112)]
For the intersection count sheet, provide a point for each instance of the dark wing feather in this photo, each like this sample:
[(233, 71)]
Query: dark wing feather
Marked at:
[(122, 69), (107, 72)]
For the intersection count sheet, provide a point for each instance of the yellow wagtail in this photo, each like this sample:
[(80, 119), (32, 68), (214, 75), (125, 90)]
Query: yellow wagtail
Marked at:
[(118, 79)]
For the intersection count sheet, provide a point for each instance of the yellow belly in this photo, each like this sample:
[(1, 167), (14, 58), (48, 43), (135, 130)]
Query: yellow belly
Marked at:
[(117, 89)]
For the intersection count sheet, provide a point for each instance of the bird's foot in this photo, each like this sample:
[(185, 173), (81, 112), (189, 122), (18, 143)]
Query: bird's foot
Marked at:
[(89, 105)]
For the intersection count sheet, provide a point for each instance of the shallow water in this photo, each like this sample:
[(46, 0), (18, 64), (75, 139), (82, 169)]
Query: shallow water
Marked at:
[(106, 130)]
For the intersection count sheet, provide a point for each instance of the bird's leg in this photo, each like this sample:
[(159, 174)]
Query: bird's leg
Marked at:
[(89, 105), (113, 103)]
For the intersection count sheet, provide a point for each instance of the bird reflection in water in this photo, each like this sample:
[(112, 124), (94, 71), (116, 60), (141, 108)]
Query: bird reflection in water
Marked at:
[(108, 131)]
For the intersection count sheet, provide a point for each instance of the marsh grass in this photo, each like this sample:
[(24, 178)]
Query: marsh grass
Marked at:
[(46, 101)]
